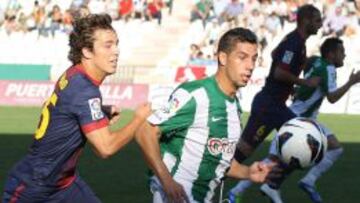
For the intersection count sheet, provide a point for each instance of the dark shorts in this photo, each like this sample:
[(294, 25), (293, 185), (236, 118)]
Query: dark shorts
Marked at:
[(16, 191), (267, 114)]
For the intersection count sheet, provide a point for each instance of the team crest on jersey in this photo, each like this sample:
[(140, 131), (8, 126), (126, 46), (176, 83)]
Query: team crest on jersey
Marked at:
[(288, 56), (218, 146), (95, 108)]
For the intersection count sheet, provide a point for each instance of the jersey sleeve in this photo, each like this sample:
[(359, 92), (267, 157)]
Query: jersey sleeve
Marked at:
[(176, 114), (289, 57), (87, 108), (330, 84)]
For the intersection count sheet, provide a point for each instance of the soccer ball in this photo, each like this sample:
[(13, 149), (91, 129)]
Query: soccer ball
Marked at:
[(301, 142)]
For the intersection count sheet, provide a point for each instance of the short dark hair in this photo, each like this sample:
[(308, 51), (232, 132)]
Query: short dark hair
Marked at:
[(82, 35), (306, 11), (231, 37), (330, 45)]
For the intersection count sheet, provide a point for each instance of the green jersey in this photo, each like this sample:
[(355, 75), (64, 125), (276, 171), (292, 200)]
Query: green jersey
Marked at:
[(308, 100), (200, 127)]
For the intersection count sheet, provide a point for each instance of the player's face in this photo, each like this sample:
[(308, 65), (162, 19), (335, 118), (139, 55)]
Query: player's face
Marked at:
[(339, 56), (105, 51), (240, 63), (314, 24)]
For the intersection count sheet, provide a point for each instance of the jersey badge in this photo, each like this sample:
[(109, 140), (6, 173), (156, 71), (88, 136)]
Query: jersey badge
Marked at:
[(95, 108), (288, 56)]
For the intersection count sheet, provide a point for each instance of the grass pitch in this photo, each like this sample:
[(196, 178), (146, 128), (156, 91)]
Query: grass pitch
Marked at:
[(123, 178)]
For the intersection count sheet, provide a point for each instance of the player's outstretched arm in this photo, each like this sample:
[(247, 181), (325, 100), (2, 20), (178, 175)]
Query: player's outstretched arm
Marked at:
[(105, 143), (256, 172), (338, 93), (147, 137)]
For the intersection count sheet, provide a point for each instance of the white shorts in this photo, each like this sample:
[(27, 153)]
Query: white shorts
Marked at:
[(159, 195)]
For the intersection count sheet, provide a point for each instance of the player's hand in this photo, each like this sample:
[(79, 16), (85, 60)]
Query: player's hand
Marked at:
[(354, 77), (313, 82), (175, 192), (112, 112), (143, 111), (258, 171), (115, 115)]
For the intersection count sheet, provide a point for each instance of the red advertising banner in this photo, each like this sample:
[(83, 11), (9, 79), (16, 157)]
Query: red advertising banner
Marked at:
[(190, 73), (30, 93)]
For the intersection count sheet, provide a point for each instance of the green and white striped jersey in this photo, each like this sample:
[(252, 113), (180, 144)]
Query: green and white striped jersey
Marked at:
[(200, 127), (308, 100)]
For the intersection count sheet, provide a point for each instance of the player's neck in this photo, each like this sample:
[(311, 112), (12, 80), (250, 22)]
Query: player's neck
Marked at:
[(225, 84), (329, 60), (302, 33), (93, 71)]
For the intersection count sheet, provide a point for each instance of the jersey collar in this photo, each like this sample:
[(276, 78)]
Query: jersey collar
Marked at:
[(81, 68)]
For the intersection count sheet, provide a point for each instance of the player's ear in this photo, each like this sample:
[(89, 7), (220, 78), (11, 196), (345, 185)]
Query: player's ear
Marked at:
[(222, 58), (87, 53)]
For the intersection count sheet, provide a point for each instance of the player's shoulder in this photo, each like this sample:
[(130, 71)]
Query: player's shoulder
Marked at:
[(196, 84), (75, 82), (293, 40), (318, 63)]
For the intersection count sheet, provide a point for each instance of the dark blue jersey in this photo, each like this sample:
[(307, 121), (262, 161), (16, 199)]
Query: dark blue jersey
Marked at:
[(73, 109), (289, 55)]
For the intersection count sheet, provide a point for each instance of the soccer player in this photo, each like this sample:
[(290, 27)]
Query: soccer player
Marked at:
[(269, 110), (189, 143), (307, 102), (72, 116)]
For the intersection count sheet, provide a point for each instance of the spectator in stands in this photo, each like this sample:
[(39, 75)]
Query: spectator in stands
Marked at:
[(263, 37), (335, 23), (67, 21), (201, 11), (2, 16), (194, 50), (112, 8), (83, 11), (250, 6), (39, 17), (77, 4), (125, 9), (218, 8), (232, 12), (153, 10), (292, 8), (139, 9), (169, 4), (10, 23), (280, 9), (22, 23), (256, 19), (357, 9), (352, 28), (97, 6), (56, 20), (272, 23)]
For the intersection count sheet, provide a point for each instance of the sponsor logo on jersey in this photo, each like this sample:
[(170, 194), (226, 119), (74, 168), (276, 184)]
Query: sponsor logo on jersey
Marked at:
[(288, 56), (95, 108), (218, 146)]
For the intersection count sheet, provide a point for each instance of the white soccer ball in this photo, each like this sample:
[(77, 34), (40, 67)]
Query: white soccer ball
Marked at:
[(301, 142)]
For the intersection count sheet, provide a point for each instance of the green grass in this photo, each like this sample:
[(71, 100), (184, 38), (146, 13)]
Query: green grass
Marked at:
[(122, 178)]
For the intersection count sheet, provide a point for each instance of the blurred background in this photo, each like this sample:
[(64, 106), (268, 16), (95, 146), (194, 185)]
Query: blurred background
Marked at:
[(162, 43)]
